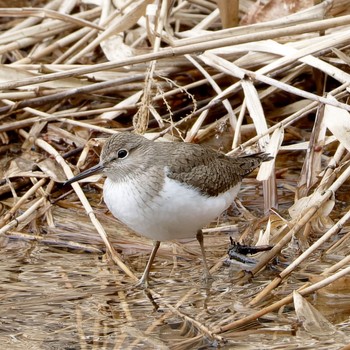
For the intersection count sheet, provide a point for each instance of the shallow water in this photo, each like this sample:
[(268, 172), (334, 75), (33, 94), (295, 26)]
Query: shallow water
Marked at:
[(57, 297)]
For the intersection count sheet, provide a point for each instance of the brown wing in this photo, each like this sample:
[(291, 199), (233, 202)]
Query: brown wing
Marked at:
[(211, 172)]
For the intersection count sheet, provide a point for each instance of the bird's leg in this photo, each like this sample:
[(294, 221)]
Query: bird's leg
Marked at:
[(201, 243), (144, 279)]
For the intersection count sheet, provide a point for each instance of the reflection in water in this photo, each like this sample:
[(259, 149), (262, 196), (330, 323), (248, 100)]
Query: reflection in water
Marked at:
[(58, 299), (55, 298)]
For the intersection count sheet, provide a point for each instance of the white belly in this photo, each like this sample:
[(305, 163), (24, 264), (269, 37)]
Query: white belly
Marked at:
[(177, 213)]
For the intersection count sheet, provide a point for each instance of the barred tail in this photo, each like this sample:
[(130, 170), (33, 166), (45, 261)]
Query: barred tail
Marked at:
[(249, 162)]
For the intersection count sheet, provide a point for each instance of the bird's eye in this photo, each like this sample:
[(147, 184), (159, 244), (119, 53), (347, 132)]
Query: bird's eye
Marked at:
[(122, 153)]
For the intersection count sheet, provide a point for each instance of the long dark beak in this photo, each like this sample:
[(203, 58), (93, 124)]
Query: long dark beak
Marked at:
[(88, 172)]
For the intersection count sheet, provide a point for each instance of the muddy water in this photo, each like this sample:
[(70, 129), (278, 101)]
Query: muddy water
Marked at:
[(57, 297)]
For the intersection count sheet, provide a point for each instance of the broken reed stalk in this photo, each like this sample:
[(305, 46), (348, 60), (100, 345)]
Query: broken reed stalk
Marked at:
[(287, 121), (304, 219), (275, 306), (338, 243), (337, 266), (18, 204), (27, 213)]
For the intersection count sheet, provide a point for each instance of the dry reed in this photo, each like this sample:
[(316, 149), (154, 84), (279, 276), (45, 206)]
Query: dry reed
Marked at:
[(75, 72)]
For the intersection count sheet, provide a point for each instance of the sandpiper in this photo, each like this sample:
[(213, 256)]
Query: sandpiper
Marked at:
[(168, 190)]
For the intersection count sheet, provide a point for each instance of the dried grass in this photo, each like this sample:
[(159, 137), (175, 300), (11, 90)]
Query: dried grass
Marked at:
[(73, 73)]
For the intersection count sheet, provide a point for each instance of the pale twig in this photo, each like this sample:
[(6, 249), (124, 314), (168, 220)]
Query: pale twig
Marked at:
[(29, 22), (18, 204), (46, 117), (30, 211), (343, 262), (58, 96), (216, 88), (115, 256), (275, 306), (115, 23), (43, 30), (58, 44), (282, 275), (296, 226), (177, 51), (314, 13), (47, 13), (289, 120)]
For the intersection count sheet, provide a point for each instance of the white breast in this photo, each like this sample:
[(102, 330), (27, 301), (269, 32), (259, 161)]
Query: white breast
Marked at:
[(177, 213)]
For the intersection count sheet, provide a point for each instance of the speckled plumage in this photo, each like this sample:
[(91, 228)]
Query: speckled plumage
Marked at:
[(209, 171), (167, 190)]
